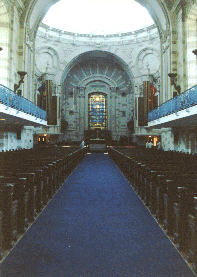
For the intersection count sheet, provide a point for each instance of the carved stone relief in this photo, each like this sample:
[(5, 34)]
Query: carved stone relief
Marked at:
[(47, 60), (148, 61)]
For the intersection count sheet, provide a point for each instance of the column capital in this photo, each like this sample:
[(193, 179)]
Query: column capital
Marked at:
[(48, 77), (147, 77), (113, 89), (81, 87), (81, 90)]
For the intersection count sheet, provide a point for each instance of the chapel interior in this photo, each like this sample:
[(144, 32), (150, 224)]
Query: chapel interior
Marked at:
[(63, 69), (59, 86)]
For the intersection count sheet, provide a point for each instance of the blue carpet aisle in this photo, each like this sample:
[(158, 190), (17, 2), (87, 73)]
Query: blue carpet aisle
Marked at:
[(95, 226)]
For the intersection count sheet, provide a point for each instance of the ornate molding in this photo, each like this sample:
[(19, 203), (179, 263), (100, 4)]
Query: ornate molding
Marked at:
[(144, 60), (47, 60), (68, 52), (165, 35)]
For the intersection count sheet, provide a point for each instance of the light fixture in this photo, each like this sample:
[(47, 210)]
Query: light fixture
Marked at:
[(19, 91), (194, 52), (173, 81), (22, 75)]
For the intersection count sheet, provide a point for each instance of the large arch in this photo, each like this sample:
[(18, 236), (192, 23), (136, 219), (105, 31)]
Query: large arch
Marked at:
[(97, 72), (99, 55)]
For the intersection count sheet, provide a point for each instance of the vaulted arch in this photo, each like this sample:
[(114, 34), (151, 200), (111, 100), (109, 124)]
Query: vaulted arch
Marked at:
[(97, 65)]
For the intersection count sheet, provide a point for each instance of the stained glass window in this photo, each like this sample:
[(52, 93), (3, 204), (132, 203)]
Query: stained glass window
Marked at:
[(97, 111)]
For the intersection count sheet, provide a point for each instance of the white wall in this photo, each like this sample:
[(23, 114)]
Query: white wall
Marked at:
[(9, 141)]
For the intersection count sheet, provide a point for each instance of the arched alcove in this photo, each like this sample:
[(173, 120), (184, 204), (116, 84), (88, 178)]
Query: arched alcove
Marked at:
[(98, 62), (100, 73)]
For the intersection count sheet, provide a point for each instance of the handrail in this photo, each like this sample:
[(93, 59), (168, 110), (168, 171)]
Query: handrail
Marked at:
[(15, 101), (182, 101)]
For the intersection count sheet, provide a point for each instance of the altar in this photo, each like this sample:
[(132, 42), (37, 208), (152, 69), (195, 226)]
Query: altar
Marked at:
[(97, 140)]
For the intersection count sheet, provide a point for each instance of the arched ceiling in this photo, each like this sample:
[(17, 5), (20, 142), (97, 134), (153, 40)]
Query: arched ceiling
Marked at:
[(97, 66), (96, 55), (35, 11)]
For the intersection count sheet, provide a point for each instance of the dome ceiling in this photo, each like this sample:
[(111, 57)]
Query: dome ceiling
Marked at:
[(98, 16)]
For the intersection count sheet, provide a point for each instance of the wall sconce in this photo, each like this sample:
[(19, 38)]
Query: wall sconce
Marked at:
[(22, 75), (173, 81), (195, 52), (19, 92)]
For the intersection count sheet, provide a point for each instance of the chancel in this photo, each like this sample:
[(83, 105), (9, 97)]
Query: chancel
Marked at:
[(120, 77)]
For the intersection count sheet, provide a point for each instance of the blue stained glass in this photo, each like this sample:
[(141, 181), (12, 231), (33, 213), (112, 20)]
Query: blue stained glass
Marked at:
[(97, 110)]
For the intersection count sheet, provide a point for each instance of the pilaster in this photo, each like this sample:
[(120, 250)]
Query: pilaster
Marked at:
[(113, 96), (83, 113)]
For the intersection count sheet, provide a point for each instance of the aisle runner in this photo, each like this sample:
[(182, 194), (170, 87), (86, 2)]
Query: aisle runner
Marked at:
[(95, 226)]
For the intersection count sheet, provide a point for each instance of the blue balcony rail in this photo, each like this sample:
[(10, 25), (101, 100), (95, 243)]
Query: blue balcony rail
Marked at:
[(182, 101), (15, 101)]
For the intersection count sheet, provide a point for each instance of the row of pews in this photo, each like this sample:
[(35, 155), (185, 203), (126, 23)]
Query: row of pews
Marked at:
[(167, 184), (29, 178)]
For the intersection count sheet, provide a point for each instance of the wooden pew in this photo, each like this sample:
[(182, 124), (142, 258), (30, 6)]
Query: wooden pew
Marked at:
[(1, 236), (43, 178), (8, 207), (22, 196), (30, 191), (192, 236), (169, 189), (182, 209)]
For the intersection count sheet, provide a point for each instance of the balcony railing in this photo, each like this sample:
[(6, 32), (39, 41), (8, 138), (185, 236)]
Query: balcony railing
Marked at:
[(15, 101), (182, 101)]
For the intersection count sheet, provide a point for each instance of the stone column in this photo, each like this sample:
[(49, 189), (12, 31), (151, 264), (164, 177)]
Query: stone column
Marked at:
[(27, 58), (113, 97), (166, 88), (58, 109), (147, 79), (48, 91), (83, 117)]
